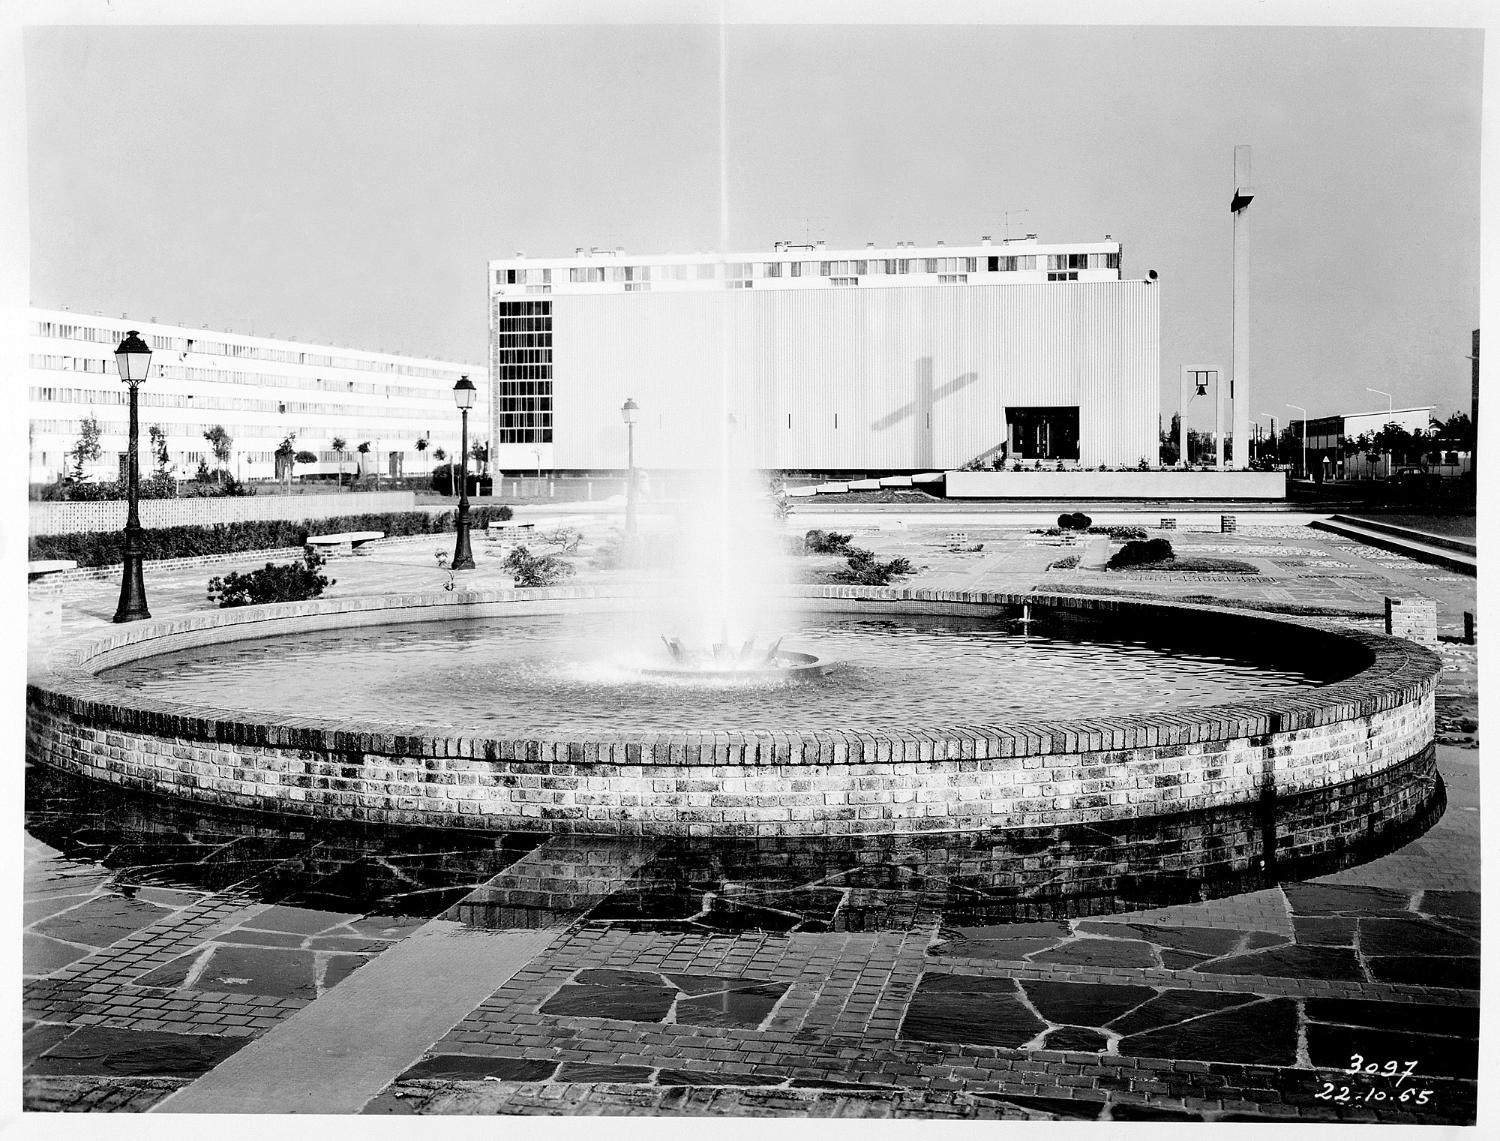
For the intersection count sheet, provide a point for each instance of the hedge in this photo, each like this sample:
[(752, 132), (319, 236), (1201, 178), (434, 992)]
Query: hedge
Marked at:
[(104, 548)]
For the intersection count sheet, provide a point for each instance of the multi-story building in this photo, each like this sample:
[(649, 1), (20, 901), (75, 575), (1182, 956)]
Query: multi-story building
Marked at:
[(901, 358), (258, 389)]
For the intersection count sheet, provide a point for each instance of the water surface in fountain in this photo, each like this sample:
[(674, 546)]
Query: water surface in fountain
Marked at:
[(547, 673)]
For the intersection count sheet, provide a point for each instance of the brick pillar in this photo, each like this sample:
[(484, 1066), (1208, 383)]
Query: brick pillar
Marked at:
[(1168, 523), (1412, 618), (1227, 522)]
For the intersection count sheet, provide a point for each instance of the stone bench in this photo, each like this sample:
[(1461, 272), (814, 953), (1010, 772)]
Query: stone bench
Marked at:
[(40, 568), (508, 530), (346, 543)]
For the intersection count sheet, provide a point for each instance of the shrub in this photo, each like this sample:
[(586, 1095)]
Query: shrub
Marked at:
[(817, 542), (1118, 533), (1134, 554), (536, 570), (1074, 521), (566, 539), (864, 569), (1068, 562), (288, 582), (103, 548)]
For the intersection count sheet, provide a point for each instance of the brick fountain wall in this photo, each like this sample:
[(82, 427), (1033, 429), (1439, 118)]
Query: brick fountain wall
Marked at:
[(757, 784)]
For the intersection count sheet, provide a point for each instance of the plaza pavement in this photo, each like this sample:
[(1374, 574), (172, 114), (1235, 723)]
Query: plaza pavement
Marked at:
[(858, 997)]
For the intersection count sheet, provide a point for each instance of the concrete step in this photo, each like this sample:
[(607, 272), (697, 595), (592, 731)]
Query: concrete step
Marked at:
[(1423, 551)]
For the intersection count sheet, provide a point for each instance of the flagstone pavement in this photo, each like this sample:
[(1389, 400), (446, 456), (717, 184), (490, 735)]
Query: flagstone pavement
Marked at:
[(177, 962)]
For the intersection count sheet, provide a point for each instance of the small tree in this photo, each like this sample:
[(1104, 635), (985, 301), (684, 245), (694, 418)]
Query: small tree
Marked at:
[(363, 448), (439, 455), (286, 457), (87, 449), (480, 454), (338, 444), (422, 445), (159, 451), (222, 444)]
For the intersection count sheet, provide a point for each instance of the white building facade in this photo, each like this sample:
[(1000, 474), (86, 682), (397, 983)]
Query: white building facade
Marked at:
[(258, 389), (901, 358)]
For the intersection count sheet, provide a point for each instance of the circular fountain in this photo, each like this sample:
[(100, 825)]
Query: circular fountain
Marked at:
[(696, 771)]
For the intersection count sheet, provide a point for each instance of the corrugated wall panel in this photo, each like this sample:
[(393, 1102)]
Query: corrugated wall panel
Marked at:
[(917, 377)]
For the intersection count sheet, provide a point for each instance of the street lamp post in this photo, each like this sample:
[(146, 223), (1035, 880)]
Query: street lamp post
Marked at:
[(628, 412), (1389, 401), (1302, 410), (464, 394), (133, 360)]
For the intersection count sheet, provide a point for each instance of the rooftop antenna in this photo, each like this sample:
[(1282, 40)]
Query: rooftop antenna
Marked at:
[(1007, 215), (818, 221)]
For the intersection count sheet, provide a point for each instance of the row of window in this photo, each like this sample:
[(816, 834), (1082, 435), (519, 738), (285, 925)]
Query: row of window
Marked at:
[(165, 371), (149, 399), (103, 336), (355, 432), (635, 276)]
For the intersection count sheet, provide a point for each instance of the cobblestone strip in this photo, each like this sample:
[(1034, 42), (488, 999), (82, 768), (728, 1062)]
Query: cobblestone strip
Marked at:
[(154, 1008), (162, 941), (54, 1093), (878, 1001)]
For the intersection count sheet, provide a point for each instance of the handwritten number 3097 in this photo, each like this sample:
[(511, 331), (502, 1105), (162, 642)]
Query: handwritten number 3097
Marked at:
[(1358, 1065)]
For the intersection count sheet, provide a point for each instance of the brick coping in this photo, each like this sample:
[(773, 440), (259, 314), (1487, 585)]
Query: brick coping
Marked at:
[(1395, 673)]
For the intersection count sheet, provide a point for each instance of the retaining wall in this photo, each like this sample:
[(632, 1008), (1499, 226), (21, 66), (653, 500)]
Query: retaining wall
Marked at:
[(1260, 485), (921, 779), (109, 515)]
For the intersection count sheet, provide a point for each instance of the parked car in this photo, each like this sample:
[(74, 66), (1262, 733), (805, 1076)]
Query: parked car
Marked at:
[(1413, 485)]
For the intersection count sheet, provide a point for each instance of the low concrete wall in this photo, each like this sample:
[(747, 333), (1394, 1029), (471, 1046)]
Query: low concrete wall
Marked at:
[(109, 515), (751, 783), (1116, 485)]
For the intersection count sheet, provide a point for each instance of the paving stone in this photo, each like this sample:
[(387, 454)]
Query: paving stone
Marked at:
[(106, 1050), (1291, 962), (933, 981), (1087, 1004), (608, 977), (978, 1018), (1421, 970), (596, 1072), (747, 1007), (1412, 937), (102, 920), (1200, 940), (468, 1067), (1174, 1006), (1321, 931), (1333, 1048), (1263, 1033), (630, 1003), (1100, 953), (1463, 904), (1417, 1018), (686, 1077), (1333, 899), (1076, 1038)]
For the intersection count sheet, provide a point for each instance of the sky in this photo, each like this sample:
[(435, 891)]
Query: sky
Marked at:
[(347, 184)]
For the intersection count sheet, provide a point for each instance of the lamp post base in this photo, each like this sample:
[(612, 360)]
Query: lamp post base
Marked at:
[(132, 607)]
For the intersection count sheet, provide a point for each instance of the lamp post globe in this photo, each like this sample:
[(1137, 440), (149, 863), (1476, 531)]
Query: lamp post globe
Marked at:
[(628, 412), (464, 395), (133, 360)]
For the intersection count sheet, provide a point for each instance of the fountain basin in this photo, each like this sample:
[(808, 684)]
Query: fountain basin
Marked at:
[(991, 773)]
